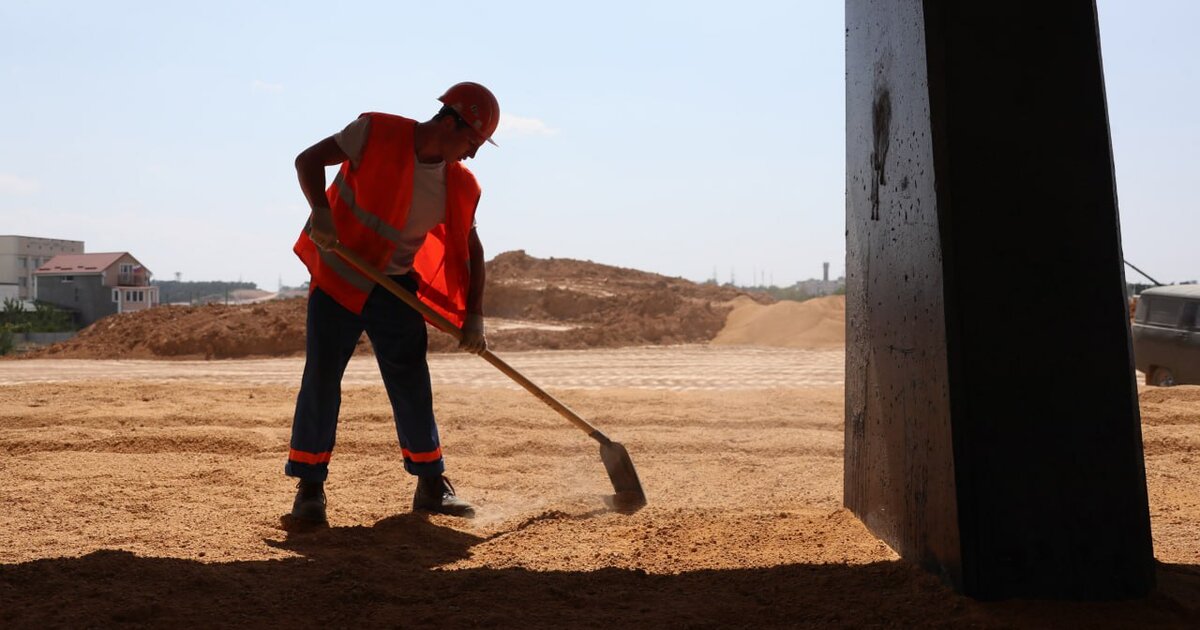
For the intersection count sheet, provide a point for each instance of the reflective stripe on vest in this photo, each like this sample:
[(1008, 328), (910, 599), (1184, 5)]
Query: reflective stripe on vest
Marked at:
[(370, 221), (348, 273)]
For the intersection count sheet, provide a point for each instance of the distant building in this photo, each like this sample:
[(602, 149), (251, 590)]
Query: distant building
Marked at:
[(817, 288), (96, 285), (824, 286), (21, 255)]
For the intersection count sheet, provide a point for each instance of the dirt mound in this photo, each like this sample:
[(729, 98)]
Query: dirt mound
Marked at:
[(605, 306), (819, 323), (531, 303), (212, 331)]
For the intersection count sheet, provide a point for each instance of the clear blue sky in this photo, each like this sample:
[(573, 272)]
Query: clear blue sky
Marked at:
[(674, 137)]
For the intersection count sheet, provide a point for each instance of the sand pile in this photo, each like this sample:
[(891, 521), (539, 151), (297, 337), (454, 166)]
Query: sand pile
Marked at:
[(816, 324), (213, 331), (531, 303), (604, 306)]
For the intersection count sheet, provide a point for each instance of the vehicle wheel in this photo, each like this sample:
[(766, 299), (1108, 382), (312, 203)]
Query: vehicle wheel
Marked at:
[(1160, 377)]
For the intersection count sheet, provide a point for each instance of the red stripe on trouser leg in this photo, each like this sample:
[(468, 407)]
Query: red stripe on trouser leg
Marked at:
[(422, 458), (309, 458)]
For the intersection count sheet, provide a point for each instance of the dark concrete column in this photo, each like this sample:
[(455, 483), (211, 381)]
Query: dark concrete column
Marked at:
[(992, 427)]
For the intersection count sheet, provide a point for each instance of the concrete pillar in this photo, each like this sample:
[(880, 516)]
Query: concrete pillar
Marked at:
[(992, 426)]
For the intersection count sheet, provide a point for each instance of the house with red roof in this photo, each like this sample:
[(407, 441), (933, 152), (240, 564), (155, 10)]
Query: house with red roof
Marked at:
[(95, 285)]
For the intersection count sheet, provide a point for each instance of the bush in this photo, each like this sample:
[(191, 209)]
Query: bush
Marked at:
[(12, 312), (49, 318), (43, 318)]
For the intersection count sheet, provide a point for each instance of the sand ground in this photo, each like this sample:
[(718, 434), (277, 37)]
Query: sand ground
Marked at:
[(151, 493)]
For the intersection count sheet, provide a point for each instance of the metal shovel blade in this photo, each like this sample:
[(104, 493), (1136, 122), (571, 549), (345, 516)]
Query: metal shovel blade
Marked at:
[(629, 494)]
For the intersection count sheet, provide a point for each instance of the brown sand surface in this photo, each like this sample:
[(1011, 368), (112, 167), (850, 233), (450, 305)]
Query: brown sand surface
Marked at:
[(819, 323), (680, 368), (135, 501)]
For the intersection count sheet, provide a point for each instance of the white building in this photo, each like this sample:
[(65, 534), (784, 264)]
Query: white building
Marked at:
[(21, 255)]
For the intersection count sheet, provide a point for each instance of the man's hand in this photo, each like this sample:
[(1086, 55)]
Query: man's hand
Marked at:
[(323, 232), (310, 169), (472, 338)]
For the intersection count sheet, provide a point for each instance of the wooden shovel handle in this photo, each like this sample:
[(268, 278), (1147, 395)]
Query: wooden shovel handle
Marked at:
[(446, 326)]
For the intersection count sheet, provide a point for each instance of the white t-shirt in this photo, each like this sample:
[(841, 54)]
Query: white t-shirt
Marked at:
[(428, 207)]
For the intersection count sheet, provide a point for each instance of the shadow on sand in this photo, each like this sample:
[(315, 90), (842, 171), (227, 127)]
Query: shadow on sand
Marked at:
[(387, 575)]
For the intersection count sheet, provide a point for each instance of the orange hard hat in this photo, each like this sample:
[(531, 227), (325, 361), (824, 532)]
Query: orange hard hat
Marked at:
[(476, 105)]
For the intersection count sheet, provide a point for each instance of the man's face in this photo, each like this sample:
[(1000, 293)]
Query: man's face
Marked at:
[(461, 143), (473, 143)]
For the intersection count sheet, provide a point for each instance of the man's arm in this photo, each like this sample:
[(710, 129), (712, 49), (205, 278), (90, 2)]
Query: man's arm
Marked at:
[(473, 339), (310, 169)]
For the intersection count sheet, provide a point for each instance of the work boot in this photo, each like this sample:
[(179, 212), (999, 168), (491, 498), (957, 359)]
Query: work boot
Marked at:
[(435, 494), (309, 506)]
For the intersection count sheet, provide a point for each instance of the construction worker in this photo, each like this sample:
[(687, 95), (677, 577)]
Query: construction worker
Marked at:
[(405, 203)]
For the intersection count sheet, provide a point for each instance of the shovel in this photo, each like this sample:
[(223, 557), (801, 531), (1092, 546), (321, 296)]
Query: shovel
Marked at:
[(629, 494)]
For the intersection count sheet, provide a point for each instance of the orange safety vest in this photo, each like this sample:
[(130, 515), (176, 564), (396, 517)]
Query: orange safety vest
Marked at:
[(370, 206)]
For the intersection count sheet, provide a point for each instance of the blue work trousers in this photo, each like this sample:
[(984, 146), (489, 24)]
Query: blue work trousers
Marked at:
[(398, 335)]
